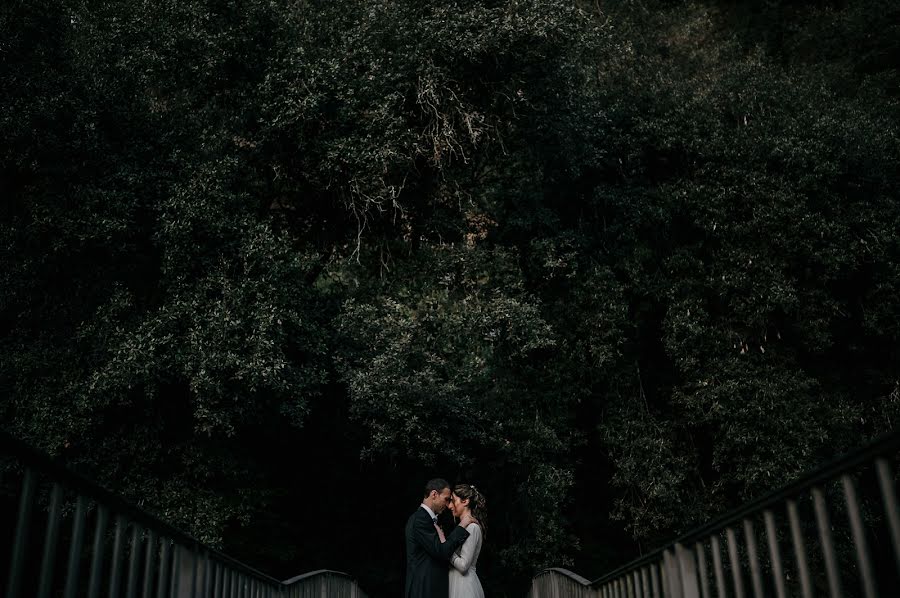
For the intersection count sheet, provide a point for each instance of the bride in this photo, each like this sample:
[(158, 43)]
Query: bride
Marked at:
[(464, 581)]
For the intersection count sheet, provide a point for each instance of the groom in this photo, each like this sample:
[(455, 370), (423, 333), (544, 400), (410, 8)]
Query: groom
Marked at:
[(427, 559)]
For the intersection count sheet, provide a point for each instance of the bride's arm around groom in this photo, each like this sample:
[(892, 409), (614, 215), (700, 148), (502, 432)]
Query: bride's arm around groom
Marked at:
[(467, 555), (426, 536)]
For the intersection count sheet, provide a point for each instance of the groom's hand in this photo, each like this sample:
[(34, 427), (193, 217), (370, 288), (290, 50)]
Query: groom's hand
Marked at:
[(466, 520)]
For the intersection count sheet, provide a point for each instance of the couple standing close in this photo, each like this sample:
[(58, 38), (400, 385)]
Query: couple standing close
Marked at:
[(439, 566)]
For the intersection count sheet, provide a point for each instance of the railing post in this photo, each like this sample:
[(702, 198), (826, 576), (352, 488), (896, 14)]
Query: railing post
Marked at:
[(672, 581), (687, 567), (17, 564), (50, 542)]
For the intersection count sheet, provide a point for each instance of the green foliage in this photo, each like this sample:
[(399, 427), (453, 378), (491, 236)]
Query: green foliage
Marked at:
[(646, 255), (762, 243), (455, 361)]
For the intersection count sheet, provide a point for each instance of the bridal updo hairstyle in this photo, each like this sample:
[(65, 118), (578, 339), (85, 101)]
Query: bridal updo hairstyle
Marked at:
[(477, 503)]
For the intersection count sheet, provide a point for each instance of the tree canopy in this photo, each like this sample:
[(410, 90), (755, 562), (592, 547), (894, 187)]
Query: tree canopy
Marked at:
[(624, 265)]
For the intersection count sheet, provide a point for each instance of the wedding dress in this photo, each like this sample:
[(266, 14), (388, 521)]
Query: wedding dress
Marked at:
[(464, 581)]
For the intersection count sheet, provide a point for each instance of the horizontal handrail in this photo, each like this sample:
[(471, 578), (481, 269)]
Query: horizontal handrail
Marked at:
[(566, 573), (303, 576)]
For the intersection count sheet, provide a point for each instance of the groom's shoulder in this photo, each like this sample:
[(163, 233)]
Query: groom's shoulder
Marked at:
[(415, 519)]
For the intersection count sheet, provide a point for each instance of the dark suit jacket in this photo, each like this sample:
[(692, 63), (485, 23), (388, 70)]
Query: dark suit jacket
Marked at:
[(427, 560)]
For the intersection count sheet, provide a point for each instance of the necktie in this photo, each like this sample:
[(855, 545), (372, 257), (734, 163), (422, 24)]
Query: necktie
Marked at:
[(437, 528)]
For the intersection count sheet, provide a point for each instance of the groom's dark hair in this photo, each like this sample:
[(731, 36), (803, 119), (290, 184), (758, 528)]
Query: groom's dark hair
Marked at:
[(437, 484)]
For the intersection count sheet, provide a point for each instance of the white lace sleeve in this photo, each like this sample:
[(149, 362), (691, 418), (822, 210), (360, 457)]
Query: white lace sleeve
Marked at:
[(462, 560)]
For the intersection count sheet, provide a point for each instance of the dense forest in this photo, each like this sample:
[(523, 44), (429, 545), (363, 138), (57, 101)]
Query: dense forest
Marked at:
[(268, 266)]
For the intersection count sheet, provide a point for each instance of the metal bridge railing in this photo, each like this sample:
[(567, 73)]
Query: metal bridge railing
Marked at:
[(560, 583), (834, 533), (62, 536)]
